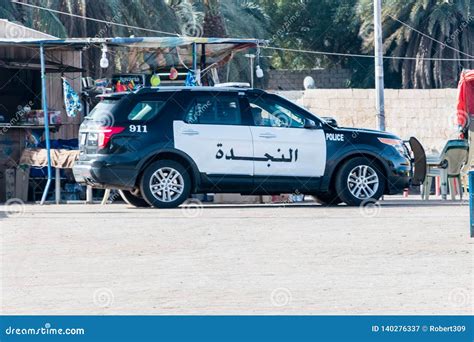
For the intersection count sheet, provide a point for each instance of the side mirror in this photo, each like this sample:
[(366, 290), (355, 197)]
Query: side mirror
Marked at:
[(330, 121), (309, 124)]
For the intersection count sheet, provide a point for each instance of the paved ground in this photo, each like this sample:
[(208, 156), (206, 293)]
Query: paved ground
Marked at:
[(407, 257)]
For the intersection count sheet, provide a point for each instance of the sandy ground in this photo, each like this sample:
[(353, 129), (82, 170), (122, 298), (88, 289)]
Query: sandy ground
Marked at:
[(406, 257)]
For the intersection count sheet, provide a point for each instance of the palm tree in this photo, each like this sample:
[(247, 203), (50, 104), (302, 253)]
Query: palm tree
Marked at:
[(447, 28), (151, 14), (211, 18), (213, 25)]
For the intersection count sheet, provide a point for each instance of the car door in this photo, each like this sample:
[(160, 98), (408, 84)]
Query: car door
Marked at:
[(216, 135), (286, 140)]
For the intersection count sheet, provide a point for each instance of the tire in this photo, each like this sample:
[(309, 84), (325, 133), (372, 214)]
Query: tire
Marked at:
[(329, 198), (156, 188), (131, 199), (354, 187)]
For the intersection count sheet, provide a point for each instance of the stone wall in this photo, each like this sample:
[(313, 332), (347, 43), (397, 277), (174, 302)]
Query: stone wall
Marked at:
[(293, 79), (428, 114)]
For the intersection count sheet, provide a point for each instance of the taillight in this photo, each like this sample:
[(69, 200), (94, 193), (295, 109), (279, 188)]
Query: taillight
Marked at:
[(105, 134)]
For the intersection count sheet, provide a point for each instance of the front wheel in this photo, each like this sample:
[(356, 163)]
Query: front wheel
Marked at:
[(359, 181), (165, 184)]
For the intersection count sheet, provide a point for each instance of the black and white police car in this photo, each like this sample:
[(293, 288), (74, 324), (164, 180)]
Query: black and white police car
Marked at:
[(160, 145)]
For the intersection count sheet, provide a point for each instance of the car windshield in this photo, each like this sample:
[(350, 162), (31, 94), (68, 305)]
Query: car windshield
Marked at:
[(314, 116)]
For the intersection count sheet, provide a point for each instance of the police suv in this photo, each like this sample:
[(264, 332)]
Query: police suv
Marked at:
[(160, 145)]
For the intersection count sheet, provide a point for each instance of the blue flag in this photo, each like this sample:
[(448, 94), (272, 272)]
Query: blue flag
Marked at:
[(72, 102)]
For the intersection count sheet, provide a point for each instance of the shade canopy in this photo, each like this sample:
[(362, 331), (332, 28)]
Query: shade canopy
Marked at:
[(153, 52), (143, 42)]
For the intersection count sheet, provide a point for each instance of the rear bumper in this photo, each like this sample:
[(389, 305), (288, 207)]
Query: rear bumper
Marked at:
[(104, 176)]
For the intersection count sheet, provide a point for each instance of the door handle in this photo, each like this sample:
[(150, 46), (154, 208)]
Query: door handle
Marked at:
[(190, 132), (267, 135)]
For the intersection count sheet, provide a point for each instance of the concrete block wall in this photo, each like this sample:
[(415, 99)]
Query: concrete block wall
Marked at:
[(428, 114), (293, 79)]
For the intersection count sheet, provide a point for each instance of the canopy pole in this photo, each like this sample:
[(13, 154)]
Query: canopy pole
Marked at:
[(46, 122), (203, 61), (195, 60)]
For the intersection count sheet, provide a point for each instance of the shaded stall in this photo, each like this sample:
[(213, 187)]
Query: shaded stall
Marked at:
[(21, 104)]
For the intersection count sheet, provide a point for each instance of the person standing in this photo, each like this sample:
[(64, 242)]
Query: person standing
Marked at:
[(465, 110)]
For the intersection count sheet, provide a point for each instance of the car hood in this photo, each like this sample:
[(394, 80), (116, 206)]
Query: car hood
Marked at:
[(367, 131)]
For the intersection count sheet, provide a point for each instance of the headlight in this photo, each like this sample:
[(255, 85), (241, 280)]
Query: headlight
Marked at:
[(396, 143)]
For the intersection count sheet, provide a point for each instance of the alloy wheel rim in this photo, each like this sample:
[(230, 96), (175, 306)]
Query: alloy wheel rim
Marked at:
[(363, 182), (166, 184)]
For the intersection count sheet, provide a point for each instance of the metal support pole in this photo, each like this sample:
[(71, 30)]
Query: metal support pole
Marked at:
[(471, 204), (46, 122), (251, 71), (379, 80), (195, 62), (57, 186), (251, 58), (203, 61)]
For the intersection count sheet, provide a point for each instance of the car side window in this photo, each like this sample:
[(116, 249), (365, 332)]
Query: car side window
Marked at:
[(269, 113), (145, 110), (219, 110)]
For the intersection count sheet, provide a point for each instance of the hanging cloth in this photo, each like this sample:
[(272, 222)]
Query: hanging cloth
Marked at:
[(72, 102), (190, 80)]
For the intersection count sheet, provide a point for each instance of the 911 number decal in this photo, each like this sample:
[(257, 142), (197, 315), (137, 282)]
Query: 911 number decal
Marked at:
[(138, 128)]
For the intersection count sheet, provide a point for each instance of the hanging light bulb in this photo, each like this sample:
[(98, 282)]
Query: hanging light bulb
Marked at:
[(104, 62)]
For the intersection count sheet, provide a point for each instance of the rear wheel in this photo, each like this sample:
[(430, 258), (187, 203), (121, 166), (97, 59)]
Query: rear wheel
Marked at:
[(133, 199), (165, 184), (359, 181)]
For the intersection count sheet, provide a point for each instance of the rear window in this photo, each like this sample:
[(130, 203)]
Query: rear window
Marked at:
[(145, 110)]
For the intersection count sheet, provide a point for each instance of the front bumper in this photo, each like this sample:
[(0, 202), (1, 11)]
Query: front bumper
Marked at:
[(400, 175)]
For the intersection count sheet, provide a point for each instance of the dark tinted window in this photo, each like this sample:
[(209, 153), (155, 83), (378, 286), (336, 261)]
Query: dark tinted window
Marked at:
[(220, 110)]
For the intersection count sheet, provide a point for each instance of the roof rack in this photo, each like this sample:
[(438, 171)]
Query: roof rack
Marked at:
[(232, 85), (222, 87)]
